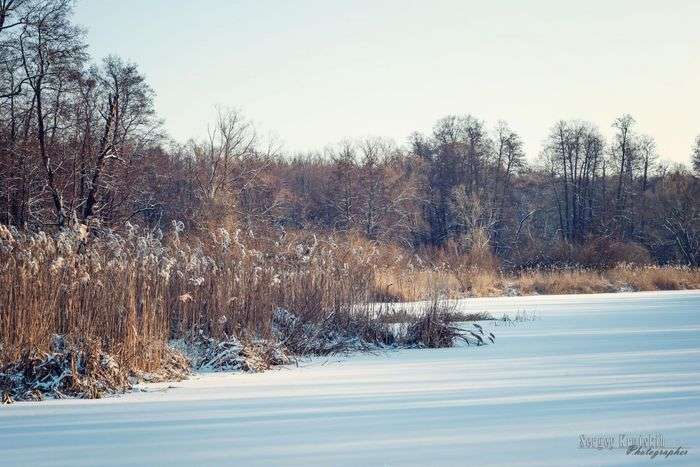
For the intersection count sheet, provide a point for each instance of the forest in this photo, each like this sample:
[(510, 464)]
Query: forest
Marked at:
[(113, 233), (81, 142)]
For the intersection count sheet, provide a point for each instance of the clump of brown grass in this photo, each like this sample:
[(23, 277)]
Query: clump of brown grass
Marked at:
[(655, 277), (479, 282), (413, 285), (564, 281), (457, 269), (433, 329)]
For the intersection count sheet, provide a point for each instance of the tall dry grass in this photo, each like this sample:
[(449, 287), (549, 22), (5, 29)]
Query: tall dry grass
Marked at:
[(561, 281), (56, 286), (619, 278), (654, 277), (391, 285), (127, 294), (132, 292)]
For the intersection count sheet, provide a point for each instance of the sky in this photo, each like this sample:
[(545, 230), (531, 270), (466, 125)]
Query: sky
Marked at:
[(312, 73)]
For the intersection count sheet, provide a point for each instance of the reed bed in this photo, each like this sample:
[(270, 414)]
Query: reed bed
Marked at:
[(129, 294)]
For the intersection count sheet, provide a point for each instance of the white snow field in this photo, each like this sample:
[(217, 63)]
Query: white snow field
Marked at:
[(609, 364)]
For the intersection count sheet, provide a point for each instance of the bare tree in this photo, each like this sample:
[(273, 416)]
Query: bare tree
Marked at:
[(509, 158), (678, 214), (8, 19), (647, 151), (574, 155), (457, 153), (385, 191), (373, 152), (124, 102), (50, 47), (343, 196), (623, 153), (230, 139)]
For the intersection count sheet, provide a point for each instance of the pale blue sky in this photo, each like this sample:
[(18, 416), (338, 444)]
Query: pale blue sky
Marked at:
[(314, 72)]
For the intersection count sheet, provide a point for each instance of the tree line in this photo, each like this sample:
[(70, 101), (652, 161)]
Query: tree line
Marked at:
[(80, 142)]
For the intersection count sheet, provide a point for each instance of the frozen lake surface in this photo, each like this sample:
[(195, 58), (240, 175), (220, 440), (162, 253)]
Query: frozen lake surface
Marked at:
[(590, 365)]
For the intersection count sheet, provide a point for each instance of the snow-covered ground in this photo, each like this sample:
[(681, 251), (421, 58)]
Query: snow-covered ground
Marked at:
[(588, 365)]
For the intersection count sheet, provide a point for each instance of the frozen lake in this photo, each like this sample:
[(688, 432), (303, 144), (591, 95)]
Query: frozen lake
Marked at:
[(592, 365)]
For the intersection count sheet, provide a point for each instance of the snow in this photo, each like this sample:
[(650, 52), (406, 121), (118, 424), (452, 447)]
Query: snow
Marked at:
[(588, 364)]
